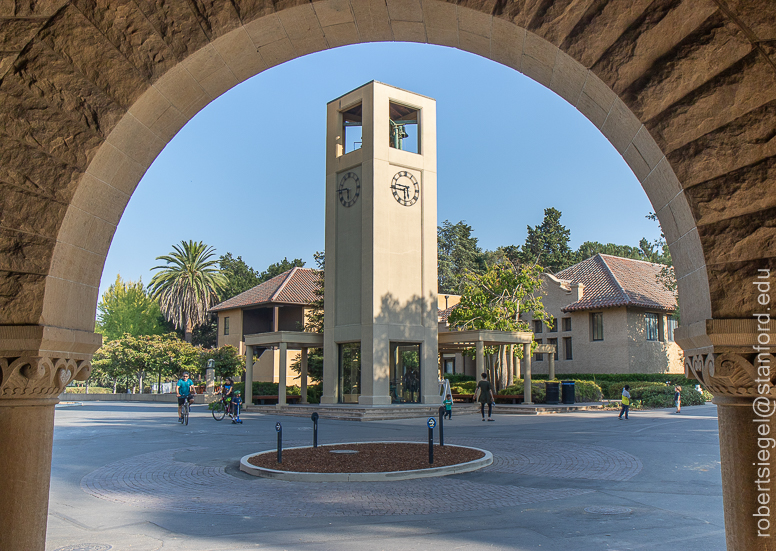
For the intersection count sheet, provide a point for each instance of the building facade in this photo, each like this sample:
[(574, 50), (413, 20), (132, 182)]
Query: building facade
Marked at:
[(611, 315), (279, 304)]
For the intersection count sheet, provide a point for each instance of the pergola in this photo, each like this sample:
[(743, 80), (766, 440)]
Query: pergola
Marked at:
[(283, 340), (456, 341)]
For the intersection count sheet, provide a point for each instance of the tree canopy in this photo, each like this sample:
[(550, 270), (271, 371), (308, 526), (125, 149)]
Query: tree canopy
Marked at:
[(496, 299), (548, 244), (457, 254), (279, 267), (126, 307), (188, 285), (239, 276)]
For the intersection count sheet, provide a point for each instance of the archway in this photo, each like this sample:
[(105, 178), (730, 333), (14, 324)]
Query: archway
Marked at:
[(91, 96)]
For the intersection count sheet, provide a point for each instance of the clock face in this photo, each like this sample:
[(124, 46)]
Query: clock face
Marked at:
[(406, 189), (348, 189)]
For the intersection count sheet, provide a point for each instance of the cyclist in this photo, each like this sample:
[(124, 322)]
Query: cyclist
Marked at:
[(227, 393), (184, 391)]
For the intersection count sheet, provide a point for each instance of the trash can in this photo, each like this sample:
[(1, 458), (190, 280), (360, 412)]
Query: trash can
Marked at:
[(568, 392), (553, 393)]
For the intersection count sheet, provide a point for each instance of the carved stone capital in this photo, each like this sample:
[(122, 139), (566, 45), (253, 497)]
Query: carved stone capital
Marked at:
[(28, 377), (732, 375)]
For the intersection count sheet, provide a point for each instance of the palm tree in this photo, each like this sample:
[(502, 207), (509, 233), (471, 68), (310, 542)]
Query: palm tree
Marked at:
[(188, 285)]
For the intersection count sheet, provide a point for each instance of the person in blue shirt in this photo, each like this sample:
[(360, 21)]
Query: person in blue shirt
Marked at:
[(448, 403), (184, 391)]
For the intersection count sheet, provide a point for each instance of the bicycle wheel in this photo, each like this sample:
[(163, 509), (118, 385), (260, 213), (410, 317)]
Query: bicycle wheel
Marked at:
[(218, 411), (186, 412)]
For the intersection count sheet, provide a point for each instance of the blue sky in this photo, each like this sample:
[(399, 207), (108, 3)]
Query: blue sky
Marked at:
[(246, 175)]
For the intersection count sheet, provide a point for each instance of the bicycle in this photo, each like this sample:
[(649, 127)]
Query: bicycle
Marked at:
[(185, 409), (219, 409), (222, 408)]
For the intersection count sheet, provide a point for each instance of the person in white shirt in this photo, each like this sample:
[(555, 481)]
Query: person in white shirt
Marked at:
[(625, 402)]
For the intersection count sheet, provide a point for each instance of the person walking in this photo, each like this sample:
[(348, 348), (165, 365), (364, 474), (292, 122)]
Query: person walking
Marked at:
[(484, 395), (678, 398), (448, 403), (625, 402)]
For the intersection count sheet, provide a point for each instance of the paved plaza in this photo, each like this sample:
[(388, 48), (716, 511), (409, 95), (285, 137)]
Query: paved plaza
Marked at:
[(128, 476)]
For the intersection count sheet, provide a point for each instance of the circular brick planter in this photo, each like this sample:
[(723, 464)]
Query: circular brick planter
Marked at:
[(469, 466)]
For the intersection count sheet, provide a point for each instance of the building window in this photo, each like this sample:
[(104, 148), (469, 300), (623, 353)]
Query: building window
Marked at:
[(554, 342), (349, 372), (351, 128), (567, 324), (671, 324), (226, 326), (652, 326), (553, 325), (537, 326), (404, 127), (567, 348), (449, 365), (538, 357), (597, 326)]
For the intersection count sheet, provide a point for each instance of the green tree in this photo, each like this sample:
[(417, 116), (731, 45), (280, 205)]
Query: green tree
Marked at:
[(188, 285), (314, 321), (457, 253), (239, 276), (497, 300), (279, 267), (126, 307), (591, 248), (314, 365), (229, 362), (548, 244), (112, 362)]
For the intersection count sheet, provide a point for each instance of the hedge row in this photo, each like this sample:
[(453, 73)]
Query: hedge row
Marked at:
[(265, 389)]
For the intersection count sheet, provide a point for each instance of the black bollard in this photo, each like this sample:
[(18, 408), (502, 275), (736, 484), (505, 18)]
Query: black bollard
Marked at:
[(441, 425), (314, 417), (279, 429), (431, 424)]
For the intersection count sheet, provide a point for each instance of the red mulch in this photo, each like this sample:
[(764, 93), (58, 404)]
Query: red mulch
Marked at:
[(371, 458)]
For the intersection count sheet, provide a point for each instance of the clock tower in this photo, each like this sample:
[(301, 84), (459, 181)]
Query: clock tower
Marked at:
[(380, 323)]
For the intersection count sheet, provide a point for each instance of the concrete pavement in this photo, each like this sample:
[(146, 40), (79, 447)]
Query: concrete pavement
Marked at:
[(128, 476)]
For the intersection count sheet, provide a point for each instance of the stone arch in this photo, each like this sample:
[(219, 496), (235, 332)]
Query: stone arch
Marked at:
[(90, 92)]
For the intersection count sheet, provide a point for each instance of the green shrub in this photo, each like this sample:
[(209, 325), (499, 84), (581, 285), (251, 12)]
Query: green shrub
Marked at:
[(584, 391), (263, 388), (464, 387), (538, 394), (458, 378), (314, 393), (658, 395), (613, 390)]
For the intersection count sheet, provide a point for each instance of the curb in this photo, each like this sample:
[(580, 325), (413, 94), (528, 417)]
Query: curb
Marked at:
[(292, 476)]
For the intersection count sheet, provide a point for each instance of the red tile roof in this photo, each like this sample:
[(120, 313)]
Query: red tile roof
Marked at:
[(296, 286), (611, 281)]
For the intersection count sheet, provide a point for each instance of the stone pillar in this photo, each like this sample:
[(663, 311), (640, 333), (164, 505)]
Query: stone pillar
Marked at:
[(29, 387), (527, 374), (210, 379), (511, 365), (479, 364), (748, 457), (518, 369), (248, 398), (303, 377), (552, 367), (282, 367)]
